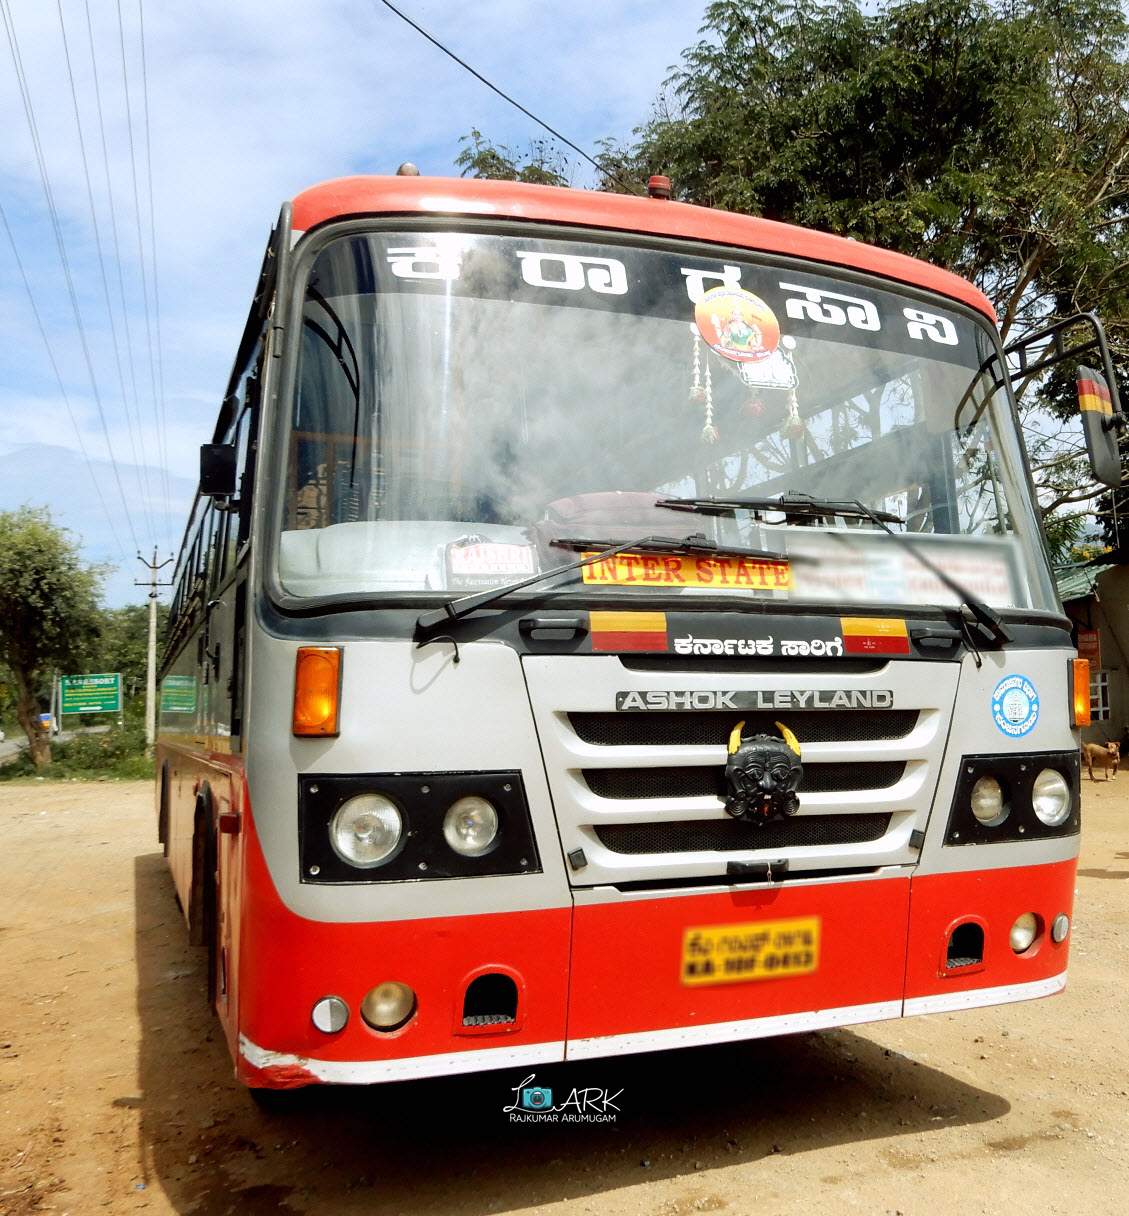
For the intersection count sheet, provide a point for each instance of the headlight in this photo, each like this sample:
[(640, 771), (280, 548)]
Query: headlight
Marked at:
[(366, 830), (1024, 931), (470, 826), (987, 799), (1050, 797)]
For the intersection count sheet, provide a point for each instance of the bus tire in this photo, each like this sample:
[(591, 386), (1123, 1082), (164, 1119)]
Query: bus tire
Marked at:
[(203, 908), (211, 914), (196, 890), (163, 811), (203, 918)]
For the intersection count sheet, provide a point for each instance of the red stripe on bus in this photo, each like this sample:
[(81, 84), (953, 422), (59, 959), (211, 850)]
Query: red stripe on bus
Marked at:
[(1095, 388), (874, 644), (629, 641)]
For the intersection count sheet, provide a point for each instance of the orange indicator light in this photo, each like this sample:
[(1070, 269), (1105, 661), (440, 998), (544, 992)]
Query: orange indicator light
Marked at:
[(1080, 691), (317, 690)]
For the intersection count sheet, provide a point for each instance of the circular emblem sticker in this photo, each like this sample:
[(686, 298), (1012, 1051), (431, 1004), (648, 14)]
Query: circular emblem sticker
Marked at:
[(737, 324), (1015, 705)]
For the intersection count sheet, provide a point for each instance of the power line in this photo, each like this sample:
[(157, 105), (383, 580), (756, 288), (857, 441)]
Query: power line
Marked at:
[(98, 248), (140, 239), (130, 357), (58, 377), (506, 97), (164, 426), (45, 182)]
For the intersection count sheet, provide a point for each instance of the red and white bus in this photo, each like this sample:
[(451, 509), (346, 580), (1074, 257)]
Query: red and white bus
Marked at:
[(604, 625)]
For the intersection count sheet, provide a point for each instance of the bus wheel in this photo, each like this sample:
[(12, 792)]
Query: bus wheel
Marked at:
[(203, 917), (163, 812), (211, 915)]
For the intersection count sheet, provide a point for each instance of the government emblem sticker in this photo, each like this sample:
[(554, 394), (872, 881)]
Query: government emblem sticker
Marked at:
[(736, 324), (1015, 706)]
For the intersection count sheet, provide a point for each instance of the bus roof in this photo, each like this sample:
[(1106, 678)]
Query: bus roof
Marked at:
[(350, 196)]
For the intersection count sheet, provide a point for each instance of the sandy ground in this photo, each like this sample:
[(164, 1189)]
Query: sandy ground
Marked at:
[(116, 1092)]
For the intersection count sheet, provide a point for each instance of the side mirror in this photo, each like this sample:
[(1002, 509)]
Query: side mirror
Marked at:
[(1100, 426), (217, 470), (1097, 390)]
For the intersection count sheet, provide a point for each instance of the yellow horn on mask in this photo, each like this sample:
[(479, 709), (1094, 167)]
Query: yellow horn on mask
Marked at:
[(789, 738), (735, 737)]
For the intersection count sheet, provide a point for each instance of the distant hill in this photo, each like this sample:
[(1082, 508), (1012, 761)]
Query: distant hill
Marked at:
[(39, 474)]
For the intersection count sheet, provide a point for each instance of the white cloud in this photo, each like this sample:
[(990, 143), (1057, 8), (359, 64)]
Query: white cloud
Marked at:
[(249, 103)]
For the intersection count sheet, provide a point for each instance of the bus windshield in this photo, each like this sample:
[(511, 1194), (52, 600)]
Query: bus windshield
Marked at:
[(470, 409)]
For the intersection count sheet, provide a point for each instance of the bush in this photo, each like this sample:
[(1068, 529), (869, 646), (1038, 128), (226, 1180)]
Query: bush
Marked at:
[(103, 749), (117, 753)]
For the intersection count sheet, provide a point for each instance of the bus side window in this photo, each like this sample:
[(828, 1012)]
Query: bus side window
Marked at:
[(218, 561), (202, 553), (245, 470)]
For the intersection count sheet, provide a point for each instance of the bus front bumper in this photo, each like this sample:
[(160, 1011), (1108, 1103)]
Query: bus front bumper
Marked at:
[(609, 975)]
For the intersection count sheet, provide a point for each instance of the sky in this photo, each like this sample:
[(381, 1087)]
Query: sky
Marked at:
[(249, 101)]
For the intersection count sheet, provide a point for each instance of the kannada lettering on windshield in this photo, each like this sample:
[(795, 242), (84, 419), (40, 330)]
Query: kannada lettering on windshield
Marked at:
[(734, 322)]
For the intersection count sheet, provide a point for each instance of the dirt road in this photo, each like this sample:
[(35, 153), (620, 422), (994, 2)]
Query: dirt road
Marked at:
[(116, 1092)]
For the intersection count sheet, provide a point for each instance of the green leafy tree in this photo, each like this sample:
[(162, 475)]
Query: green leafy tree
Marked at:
[(991, 138), (123, 640), (48, 611), (543, 163)]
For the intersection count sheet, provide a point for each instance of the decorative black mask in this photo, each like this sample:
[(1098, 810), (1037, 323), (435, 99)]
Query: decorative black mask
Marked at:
[(762, 774)]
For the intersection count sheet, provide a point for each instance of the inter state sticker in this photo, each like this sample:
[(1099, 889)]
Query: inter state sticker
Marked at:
[(1015, 706)]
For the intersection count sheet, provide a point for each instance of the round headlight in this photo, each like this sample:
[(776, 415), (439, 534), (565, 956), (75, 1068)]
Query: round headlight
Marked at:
[(471, 826), (388, 1006), (987, 799), (1024, 931), (1051, 798), (366, 830)]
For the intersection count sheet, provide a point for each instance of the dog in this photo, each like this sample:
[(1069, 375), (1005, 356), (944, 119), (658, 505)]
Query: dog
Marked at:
[(1101, 755)]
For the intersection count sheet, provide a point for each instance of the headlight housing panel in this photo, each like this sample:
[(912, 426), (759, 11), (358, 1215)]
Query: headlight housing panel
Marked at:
[(1021, 778), (422, 851)]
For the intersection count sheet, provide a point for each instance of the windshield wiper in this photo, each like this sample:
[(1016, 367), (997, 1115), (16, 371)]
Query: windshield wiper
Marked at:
[(695, 543), (453, 610), (800, 506), (808, 507)]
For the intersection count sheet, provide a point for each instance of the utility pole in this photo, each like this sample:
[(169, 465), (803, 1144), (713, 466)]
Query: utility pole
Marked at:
[(151, 668)]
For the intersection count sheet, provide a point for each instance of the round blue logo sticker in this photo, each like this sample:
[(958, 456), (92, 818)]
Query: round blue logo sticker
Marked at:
[(1015, 706)]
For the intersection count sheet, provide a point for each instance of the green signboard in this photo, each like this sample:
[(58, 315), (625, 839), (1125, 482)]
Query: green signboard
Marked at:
[(97, 694), (178, 695)]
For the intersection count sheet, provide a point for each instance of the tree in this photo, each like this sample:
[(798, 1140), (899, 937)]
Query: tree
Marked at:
[(544, 163), (991, 138), (123, 642), (48, 611)]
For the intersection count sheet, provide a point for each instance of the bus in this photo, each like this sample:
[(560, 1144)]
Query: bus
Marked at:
[(607, 624)]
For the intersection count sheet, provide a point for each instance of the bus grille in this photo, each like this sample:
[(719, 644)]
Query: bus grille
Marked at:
[(639, 794), (725, 836), (663, 729), (701, 781)]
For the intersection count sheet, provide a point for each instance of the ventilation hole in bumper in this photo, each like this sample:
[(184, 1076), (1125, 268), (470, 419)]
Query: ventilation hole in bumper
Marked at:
[(966, 946), (490, 1000)]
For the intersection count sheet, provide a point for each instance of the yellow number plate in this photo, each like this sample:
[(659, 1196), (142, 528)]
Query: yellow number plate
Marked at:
[(754, 950)]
